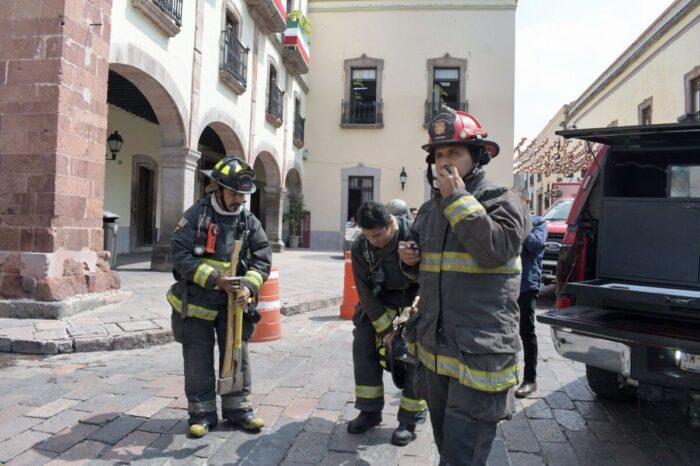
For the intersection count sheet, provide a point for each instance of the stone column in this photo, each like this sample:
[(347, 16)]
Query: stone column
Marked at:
[(53, 92), (178, 174), (274, 207)]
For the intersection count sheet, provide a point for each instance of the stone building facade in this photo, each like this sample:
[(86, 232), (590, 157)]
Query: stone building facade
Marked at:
[(183, 83), (53, 121)]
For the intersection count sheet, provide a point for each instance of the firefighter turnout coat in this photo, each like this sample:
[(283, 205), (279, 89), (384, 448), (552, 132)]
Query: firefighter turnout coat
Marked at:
[(200, 272), (469, 274)]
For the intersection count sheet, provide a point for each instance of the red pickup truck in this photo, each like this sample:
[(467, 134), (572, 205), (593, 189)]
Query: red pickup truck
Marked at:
[(563, 194), (628, 277)]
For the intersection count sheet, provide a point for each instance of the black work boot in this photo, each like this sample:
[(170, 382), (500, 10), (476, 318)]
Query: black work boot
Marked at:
[(364, 422), (249, 422), (526, 389), (403, 434)]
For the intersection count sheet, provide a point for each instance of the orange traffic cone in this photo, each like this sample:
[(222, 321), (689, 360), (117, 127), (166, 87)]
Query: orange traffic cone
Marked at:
[(350, 298), (270, 326)]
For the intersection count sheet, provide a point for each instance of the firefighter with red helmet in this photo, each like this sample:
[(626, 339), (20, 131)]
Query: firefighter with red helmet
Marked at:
[(201, 251), (465, 332)]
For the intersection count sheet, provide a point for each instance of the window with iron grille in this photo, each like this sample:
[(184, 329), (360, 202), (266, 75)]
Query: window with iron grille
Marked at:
[(362, 105), (275, 99), (234, 55), (298, 124), (362, 109), (172, 8), (644, 111), (445, 85)]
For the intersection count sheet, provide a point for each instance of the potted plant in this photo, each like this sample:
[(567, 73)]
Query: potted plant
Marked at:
[(294, 217), (296, 16)]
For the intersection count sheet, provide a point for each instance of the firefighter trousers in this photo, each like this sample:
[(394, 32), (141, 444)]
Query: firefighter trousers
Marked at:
[(369, 373), (464, 420), (197, 337)]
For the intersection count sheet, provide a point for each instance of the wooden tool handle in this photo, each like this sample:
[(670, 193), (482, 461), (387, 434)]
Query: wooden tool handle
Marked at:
[(231, 316)]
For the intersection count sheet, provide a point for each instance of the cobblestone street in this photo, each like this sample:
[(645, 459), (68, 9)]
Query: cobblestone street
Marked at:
[(129, 406)]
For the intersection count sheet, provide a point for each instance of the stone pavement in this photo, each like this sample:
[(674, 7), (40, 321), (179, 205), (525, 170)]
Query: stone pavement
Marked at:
[(309, 280), (128, 406)]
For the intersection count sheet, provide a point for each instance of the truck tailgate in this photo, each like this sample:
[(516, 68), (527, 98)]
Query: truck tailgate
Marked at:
[(626, 326)]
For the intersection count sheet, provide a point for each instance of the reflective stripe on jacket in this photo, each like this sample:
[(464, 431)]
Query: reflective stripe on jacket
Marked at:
[(469, 276), (201, 272)]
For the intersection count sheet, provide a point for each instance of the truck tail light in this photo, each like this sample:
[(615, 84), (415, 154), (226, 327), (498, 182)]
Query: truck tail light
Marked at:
[(572, 264)]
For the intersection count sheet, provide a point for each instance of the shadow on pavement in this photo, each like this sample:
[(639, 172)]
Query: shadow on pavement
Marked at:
[(572, 425)]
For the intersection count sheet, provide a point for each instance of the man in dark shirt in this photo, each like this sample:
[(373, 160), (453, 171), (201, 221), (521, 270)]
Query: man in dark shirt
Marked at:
[(384, 290)]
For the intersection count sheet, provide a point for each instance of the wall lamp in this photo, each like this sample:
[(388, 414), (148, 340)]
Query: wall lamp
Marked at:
[(114, 141), (403, 177)]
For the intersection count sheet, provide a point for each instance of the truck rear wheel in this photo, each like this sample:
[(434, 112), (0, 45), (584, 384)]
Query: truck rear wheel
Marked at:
[(605, 384)]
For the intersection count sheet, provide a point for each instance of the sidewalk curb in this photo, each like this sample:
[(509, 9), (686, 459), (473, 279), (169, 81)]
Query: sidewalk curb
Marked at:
[(32, 309), (313, 305), (131, 340)]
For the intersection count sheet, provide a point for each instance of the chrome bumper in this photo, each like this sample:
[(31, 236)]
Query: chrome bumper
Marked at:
[(597, 352)]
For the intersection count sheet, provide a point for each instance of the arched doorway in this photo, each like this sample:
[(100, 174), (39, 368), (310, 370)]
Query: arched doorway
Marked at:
[(147, 185), (132, 179), (293, 185), (266, 202)]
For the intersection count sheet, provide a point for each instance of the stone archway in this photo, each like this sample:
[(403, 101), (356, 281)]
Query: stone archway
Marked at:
[(293, 186), (216, 141), (267, 202), (229, 129), (177, 162)]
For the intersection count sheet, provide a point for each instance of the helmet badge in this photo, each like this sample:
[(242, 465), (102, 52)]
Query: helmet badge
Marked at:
[(439, 127)]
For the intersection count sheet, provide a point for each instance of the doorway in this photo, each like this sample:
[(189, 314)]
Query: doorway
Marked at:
[(360, 190), (142, 231)]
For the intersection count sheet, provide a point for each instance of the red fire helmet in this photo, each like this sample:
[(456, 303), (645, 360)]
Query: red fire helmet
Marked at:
[(455, 127)]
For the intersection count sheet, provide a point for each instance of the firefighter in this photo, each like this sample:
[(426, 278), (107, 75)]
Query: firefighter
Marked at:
[(399, 207), (384, 290), (201, 253), (465, 332)]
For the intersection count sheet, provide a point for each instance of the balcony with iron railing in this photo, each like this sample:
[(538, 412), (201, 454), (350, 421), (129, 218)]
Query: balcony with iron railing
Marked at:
[(233, 69), (296, 52), (432, 108), (362, 114), (299, 130), (275, 106), (271, 15), (166, 14)]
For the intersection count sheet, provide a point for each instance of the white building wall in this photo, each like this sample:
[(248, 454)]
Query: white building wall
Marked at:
[(135, 36), (131, 26), (141, 137)]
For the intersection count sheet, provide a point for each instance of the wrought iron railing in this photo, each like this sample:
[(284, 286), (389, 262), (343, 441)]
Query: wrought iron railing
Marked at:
[(299, 129), (172, 8), (362, 113), (275, 101), (234, 57), (433, 107)]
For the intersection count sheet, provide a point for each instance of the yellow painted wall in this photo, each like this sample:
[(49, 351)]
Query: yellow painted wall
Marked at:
[(405, 38)]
